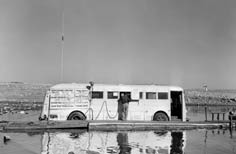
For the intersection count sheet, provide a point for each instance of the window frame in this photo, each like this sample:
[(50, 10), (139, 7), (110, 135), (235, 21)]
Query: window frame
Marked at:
[(113, 96), (163, 95), (141, 95), (99, 96), (151, 98)]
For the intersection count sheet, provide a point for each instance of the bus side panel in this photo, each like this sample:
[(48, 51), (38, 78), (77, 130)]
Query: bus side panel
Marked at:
[(64, 101), (157, 105), (63, 114), (98, 109), (137, 111)]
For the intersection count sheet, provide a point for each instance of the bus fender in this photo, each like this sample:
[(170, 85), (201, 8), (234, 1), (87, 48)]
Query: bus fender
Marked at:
[(160, 116), (76, 115)]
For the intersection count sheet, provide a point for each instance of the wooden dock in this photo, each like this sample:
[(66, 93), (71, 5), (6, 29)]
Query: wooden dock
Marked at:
[(43, 125), (110, 125), (153, 125)]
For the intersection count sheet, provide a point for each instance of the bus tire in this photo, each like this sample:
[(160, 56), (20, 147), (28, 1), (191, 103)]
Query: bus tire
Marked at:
[(160, 116), (76, 116)]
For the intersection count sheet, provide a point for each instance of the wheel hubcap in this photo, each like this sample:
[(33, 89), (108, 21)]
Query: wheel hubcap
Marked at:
[(76, 118)]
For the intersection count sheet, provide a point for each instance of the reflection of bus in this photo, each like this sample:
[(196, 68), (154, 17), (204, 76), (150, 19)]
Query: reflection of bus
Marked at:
[(149, 102), (113, 142)]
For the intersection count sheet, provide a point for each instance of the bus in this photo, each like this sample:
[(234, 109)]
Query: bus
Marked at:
[(73, 101)]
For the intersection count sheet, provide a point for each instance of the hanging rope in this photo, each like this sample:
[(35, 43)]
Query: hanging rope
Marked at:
[(100, 111), (111, 117)]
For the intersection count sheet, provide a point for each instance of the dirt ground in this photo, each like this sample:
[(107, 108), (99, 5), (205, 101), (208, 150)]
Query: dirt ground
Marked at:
[(27, 116)]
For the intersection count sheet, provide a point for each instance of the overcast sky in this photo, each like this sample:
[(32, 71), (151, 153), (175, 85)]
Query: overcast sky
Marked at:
[(179, 42)]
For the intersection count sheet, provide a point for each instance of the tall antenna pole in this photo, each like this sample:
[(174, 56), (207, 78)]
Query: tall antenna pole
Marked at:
[(62, 43)]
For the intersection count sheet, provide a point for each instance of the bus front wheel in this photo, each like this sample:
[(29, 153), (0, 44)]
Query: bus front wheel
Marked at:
[(76, 116), (160, 116)]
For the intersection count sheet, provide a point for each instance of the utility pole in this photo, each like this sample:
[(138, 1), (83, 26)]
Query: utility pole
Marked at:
[(205, 89), (62, 43)]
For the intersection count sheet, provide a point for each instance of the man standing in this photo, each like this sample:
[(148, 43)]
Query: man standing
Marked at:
[(120, 109), (123, 110)]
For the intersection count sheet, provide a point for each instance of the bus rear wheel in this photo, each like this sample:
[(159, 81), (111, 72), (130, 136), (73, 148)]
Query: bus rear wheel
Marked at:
[(76, 116), (160, 116)]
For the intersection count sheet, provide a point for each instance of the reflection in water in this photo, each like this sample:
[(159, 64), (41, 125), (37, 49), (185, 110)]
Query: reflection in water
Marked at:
[(113, 142), (215, 141), (177, 143), (122, 140)]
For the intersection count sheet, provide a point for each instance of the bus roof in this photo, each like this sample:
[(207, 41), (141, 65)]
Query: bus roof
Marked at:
[(83, 85), (69, 86)]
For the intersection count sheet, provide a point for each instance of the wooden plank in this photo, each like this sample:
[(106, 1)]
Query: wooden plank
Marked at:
[(134, 125), (112, 125), (46, 125)]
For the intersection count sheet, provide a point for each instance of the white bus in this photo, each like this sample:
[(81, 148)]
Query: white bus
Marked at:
[(100, 102)]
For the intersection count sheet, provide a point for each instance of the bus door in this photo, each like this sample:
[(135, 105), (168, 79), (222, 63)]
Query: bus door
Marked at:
[(176, 105)]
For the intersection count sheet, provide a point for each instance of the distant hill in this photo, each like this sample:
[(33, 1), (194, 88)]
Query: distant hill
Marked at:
[(25, 92), (22, 92), (199, 96)]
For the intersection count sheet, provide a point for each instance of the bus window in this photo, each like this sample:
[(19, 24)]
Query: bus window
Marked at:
[(140, 95), (97, 94), (150, 95), (112, 95), (163, 95)]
